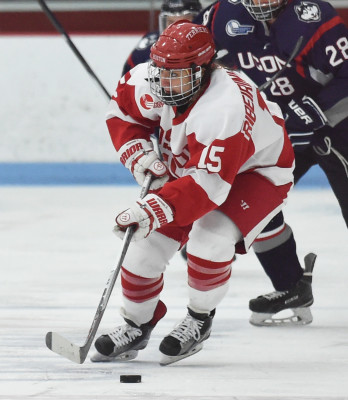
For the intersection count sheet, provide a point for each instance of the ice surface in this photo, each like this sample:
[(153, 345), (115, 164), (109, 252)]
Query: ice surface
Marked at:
[(56, 253), (57, 250)]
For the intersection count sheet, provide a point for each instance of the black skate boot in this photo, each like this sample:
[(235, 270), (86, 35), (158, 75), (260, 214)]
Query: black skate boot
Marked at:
[(187, 337), (298, 300), (124, 343)]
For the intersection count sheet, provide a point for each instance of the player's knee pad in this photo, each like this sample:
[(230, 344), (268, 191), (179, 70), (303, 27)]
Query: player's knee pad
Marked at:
[(213, 237), (149, 257)]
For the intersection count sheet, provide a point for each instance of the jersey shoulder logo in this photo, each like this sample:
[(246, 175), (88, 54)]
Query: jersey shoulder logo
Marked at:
[(308, 12), (234, 28), (147, 102)]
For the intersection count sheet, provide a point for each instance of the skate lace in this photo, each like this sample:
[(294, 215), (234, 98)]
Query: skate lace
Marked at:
[(187, 329), (124, 334), (275, 295)]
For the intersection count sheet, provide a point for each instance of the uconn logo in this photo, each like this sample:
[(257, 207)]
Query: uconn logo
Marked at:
[(269, 63), (308, 12)]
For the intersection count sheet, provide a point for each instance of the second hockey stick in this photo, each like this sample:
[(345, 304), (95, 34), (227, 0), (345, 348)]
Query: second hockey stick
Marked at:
[(61, 30), (292, 56), (62, 346)]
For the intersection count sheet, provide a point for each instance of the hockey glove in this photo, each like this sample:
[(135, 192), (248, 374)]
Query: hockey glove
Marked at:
[(304, 115), (139, 157), (302, 119), (300, 140), (147, 215)]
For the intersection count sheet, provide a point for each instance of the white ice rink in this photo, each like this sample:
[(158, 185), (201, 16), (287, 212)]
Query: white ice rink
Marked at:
[(57, 250), (56, 253)]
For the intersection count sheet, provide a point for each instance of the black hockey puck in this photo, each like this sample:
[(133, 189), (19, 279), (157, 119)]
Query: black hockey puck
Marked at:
[(130, 378)]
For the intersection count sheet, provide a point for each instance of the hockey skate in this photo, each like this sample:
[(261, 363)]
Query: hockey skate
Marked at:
[(124, 342), (187, 337), (296, 301)]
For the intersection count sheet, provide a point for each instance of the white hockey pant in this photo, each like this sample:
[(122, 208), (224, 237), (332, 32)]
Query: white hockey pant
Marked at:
[(210, 252)]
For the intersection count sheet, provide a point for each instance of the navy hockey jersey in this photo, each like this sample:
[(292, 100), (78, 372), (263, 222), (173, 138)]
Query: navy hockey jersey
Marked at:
[(141, 53), (319, 69)]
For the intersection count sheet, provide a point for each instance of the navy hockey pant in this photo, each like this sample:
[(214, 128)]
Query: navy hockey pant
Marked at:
[(330, 152)]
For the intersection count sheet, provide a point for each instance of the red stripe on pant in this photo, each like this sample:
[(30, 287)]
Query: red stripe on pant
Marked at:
[(206, 275), (139, 289)]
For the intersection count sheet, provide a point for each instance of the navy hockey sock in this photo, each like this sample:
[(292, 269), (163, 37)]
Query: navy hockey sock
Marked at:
[(278, 257)]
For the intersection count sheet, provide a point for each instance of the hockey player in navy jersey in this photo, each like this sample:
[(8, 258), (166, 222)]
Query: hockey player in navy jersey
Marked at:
[(297, 52), (171, 11)]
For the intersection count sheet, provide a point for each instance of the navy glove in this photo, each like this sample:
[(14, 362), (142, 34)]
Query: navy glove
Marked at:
[(300, 140), (302, 119), (304, 115)]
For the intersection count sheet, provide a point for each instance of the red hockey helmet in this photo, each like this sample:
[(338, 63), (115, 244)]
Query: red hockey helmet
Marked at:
[(183, 44), (177, 58)]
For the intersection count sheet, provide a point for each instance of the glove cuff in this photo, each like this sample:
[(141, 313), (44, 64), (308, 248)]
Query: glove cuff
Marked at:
[(161, 211), (316, 109), (130, 149)]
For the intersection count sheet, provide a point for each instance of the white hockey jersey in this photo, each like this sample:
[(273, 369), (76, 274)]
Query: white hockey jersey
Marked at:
[(230, 129)]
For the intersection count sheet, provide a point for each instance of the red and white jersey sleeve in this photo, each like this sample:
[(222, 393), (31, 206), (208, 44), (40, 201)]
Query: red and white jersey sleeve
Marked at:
[(230, 129), (133, 112)]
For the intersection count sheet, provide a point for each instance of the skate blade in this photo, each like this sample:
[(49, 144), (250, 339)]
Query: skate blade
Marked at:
[(166, 360), (127, 356), (300, 316)]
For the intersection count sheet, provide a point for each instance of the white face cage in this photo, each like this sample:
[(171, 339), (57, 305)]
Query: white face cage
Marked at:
[(175, 87), (166, 18), (264, 10)]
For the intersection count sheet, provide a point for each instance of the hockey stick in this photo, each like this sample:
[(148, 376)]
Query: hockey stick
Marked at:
[(292, 56), (60, 29), (63, 346)]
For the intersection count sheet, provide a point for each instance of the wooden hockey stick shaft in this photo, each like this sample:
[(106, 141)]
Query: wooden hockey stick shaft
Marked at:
[(71, 351), (50, 15)]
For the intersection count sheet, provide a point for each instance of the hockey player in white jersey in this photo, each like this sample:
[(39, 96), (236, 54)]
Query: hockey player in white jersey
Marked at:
[(226, 172)]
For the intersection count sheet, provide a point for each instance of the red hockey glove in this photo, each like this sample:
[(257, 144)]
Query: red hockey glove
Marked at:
[(139, 157), (147, 215)]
